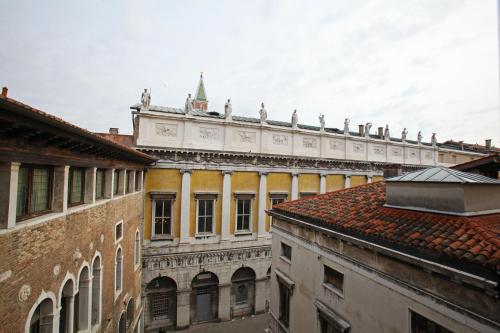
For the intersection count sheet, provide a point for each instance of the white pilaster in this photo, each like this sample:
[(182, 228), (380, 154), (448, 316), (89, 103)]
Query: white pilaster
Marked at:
[(90, 185), (226, 205), (224, 302), (347, 181), (11, 173), (185, 205), (183, 305), (295, 186), (262, 204), (322, 183)]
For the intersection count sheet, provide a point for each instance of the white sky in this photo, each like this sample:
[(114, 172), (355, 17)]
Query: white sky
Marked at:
[(426, 65)]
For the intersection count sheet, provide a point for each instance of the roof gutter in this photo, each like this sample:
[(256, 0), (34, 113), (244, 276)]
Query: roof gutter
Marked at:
[(473, 279)]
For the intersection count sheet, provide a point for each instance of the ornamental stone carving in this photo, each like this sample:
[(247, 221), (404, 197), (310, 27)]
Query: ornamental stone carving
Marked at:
[(24, 293), (378, 150), (209, 133), (309, 142), (337, 145), (295, 119), (145, 99), (428, 155), (246, 137), (358, 147), (412, 153), (166, 129), (280, 140), (346, 126), (395, 151)]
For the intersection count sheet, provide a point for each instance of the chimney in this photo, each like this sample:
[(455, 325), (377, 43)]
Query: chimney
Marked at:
[(361, 130), (113, 130), (5, 90), (392, 170), (381, 132), (487, 143)]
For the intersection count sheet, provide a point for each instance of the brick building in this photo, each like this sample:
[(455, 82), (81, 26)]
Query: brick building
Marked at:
[(70, 226), (415, 253)]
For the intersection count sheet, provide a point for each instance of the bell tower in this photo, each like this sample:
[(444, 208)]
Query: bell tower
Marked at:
[(200, 101)]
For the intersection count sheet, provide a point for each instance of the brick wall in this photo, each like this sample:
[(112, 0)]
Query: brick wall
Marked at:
[(41, 255)]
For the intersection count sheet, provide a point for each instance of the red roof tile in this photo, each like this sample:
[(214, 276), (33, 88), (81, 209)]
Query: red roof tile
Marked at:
[(360, 210)]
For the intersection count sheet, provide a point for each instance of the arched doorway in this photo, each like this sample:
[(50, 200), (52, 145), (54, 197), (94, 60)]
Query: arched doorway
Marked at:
[(66, 313), (204, 297), (96, 292), (161, 296), (41, 320), (82, 301), (242, 292)]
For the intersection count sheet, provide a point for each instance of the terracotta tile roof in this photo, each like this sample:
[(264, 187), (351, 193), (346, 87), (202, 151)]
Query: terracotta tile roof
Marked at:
[(359, 212)]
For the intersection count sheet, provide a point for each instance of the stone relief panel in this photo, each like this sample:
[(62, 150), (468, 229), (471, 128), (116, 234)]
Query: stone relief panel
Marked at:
[(378, 150), (396, 151), (337, 145), (428, 155), (280, 140), (358, 147), (246, 137), (309, 142), (412, 153), (209, 133), (166, 129)]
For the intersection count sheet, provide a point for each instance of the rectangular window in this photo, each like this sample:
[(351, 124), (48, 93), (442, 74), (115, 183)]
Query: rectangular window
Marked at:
[(116, 182), (118, 231), (276, 199), (34, 191), (76, 186), (127, 181), (205, 215), (333, 278), (162, 217), (100, 183), (243, 214), (137, 178), (284, 304), (420, 324), (286, 251)]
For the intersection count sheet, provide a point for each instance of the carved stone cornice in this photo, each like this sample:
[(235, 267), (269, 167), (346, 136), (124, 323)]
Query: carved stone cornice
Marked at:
[(203, 258)]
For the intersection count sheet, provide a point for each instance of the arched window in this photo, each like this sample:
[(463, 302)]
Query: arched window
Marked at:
[(137, 248), (66, 305), (96, 291), (243, 292), (82, 300), (122, 327), (118, 271), (130, 312), (41, 320)]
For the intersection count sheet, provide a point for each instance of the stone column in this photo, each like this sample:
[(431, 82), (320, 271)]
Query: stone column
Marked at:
[(322, 183), (262, 204), (90, 180), (347, 181), (295, 185), (60, 197), (131, 182), (368, 179), (183, 308), (260, 295), (121, 182), (9, 173), (71, 313), (226, 205), (185, 205), (225, 302), (141, 180)]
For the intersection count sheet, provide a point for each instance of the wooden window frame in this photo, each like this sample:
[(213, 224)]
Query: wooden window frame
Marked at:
[(30, 214), (249, 214), (283, 254), (70, 186), (214, 201), (329, 272)]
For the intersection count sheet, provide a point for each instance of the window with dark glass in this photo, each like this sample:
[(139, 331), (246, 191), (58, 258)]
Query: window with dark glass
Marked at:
[(118, 231), (420, 324), (76, 185), (162, 217), (137, 178), (333, 278), (205, 215), (284, 304), (286, 251), (327, 326), (34, 189), (116, 182), (127, 181), (100, 181), (243, 213)]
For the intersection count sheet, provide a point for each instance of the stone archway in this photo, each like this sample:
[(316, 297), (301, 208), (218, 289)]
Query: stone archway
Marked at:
[(204, 297), (243, 292), (161, 299)]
